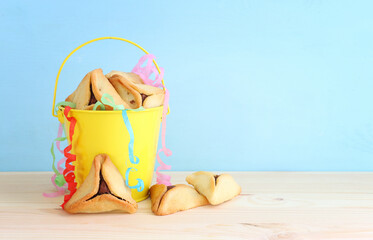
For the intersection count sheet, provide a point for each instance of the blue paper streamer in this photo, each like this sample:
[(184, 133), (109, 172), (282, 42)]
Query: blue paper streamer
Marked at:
[(140, 183), (106, 99), (133, 159)]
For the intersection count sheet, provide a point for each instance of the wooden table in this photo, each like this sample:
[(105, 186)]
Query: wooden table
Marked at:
[(273, 205)]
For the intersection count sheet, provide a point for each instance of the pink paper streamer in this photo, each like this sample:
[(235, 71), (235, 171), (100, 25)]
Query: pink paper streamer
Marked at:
[(58, 143), (60, 190), (145, 73), (163, 178)]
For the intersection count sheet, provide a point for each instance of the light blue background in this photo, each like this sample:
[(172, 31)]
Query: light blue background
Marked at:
[(255, 85)]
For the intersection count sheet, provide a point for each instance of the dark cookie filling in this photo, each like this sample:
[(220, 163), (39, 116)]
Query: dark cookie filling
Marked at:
[(143, 96), (92, 100), (170, 187), (216, 178), (104, 189)]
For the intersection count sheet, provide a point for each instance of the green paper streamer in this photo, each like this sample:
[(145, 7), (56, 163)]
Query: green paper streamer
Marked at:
[(70, 104), (107, 99), (97, 104), (60, 180)]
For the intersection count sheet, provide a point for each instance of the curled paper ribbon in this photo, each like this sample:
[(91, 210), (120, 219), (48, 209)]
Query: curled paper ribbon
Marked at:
[(163, 178), (60, 181), (140, 183), (69, 168), (70, 104), (133, 159), (149, 70), (98, 104), (58, 145), (145, 73), (57, 179), (107, 99)]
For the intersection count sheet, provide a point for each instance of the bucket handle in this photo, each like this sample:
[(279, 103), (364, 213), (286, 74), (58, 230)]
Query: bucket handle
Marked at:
[(86, 43)]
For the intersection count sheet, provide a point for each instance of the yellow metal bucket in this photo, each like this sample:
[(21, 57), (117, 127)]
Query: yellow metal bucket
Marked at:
[(105, 132), (99, 132)]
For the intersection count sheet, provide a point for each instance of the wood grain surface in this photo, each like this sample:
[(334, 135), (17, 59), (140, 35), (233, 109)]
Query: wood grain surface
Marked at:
[(273, 205)]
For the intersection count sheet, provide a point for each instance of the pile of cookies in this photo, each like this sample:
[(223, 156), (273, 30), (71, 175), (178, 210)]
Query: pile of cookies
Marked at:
[(105, 190), (127, 89)]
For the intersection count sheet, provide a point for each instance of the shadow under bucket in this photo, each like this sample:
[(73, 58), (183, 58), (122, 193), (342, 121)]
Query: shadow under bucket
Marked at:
[(99, 132)]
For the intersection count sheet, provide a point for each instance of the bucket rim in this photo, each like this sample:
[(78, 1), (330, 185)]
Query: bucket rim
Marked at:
[(61, 108)]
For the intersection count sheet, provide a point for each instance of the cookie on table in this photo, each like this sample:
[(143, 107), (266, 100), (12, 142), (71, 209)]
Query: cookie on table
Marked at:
[(216, 188), (171, 199), (103, 190)]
